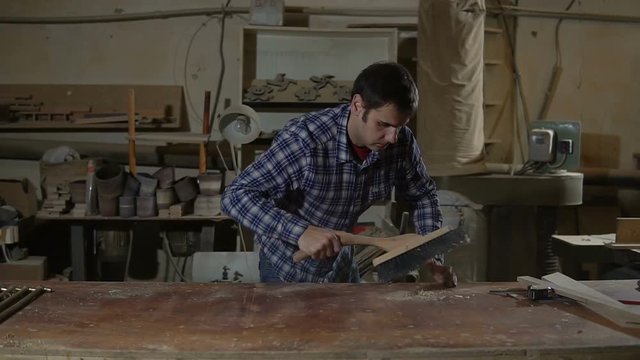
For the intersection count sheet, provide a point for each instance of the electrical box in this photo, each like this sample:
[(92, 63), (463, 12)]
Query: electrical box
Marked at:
[(541, 147), (555, 143)]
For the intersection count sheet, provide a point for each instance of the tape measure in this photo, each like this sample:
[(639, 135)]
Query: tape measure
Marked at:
[(540, 292)]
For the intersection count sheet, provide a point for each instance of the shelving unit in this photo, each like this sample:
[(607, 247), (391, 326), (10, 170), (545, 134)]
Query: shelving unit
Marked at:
[(340, 53)]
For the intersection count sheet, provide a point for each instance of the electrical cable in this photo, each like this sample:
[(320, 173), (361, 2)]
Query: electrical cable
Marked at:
[(518, 81), (223, 15), (7, 258), (128, 261), (222, 68), (185, 65), (224, 163), (167, 249), (562, 162)]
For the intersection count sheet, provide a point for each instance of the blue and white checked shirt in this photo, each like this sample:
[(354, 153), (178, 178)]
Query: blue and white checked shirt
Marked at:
[(309, 176)]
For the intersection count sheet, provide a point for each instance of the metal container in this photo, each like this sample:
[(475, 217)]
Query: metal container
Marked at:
[(146, 206), (110, 181), (210, 183), (108, 206), (127, 206), (148, 184), (186, 188), (165, 198), (166, 176), (131, 186)]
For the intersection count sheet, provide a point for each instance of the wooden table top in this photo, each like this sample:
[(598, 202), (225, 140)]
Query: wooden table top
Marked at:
[(308, 321)]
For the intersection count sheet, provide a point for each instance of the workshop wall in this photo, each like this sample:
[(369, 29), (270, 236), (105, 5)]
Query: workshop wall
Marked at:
[(171, 51), (601, 65)]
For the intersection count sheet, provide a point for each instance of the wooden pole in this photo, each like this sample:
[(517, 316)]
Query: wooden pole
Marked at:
[(202, 158), (131, 117)]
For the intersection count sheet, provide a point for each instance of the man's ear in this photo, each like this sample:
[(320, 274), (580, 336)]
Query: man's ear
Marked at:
[(357, 105)]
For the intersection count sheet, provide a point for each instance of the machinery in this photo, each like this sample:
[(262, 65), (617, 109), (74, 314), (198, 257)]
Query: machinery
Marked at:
[(554, 146)]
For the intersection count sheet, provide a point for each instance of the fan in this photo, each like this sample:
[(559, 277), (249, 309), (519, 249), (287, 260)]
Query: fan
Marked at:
[(239, 124)]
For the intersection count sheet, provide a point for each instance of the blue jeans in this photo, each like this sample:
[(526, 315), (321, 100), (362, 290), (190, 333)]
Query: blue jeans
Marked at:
[(268, 273)]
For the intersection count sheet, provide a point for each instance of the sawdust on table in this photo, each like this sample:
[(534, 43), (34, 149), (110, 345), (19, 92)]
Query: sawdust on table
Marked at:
[(426, 295)]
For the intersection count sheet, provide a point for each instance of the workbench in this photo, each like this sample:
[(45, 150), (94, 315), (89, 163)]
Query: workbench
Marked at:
[(80, 226), (93, 320), (576, 251)]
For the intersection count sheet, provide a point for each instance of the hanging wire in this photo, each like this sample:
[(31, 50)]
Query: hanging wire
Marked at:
[(222, 68)]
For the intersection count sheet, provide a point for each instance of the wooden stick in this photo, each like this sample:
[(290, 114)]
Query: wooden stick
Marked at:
[(202, 158), (131, 113)]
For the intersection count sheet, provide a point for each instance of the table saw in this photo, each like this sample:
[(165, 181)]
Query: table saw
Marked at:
[(92, 320)]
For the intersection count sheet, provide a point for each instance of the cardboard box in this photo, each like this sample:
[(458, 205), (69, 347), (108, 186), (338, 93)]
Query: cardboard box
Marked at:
[(21, 194), (31, 268)]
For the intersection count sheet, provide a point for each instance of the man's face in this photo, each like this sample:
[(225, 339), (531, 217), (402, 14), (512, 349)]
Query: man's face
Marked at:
[(374, 128)]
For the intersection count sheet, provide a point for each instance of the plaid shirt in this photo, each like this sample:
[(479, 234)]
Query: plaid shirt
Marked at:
[(310, 176)]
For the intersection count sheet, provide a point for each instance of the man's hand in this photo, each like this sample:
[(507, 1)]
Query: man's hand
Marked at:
[(319, 243), (442, 274)]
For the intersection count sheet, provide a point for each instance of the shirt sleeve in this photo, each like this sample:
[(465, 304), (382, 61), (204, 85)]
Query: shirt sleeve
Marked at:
[(251, 197), (419, 190)]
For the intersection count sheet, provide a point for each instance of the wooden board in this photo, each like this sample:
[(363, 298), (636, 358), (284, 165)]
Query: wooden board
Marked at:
[(628, 231), (306, 321)]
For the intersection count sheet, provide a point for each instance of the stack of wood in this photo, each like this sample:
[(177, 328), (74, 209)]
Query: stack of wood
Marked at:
[(57, 201), (26, 108)]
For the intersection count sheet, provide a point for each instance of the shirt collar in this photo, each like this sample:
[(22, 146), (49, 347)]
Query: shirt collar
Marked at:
[(343, 146), (343, 150)]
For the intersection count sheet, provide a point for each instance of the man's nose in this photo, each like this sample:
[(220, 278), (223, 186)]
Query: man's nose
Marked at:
[(392, 135)]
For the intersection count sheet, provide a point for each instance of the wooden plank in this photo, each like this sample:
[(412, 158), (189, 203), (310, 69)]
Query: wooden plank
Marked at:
[(628, 231)]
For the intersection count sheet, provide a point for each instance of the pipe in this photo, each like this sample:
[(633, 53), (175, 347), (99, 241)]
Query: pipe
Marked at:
[(33, 294), (529, 12), (156, 15)]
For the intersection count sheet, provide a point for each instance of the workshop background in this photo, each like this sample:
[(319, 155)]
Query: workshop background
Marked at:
[(563, 62)]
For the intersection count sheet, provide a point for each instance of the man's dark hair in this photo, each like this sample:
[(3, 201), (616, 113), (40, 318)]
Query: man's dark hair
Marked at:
[(385, 83)]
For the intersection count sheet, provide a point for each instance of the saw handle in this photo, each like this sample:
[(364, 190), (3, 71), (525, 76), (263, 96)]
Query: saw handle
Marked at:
[(346, 238)]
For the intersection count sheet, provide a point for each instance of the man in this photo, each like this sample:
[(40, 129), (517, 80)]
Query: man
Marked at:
[(324, 169)]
